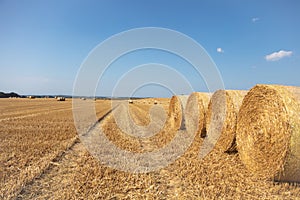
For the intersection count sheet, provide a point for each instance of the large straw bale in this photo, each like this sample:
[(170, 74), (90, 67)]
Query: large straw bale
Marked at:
[(176, 111), (268, 132), (195, 112), (221, 119)]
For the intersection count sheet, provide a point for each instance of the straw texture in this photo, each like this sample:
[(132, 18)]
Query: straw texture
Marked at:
[(222, 118), (268, 129), (176, 111), (195, 113)]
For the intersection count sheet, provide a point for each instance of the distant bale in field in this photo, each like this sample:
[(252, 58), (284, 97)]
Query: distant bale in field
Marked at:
[(195, 112), (176, 111), (155, 101), (31, 97), (221, 119), (60, 98), (130, 101), (268, 132)]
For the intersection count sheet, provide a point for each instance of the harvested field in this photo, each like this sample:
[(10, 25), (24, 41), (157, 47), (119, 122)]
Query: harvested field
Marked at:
[(269, 132), (30, 142), (41, 158)]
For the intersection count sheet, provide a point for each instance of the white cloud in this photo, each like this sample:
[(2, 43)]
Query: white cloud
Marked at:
[(255, 19), (278, 55), (220, 50)]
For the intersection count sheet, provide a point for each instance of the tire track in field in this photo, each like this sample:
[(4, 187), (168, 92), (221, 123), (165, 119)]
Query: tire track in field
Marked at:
[(76, 148), (55, 160), (57, 164), (34, 172), (99, 120)]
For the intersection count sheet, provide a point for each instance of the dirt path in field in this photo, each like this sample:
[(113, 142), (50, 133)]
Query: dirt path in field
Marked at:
[(78, 175)]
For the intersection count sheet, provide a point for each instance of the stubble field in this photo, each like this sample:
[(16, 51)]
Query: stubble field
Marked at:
[(41, 157)]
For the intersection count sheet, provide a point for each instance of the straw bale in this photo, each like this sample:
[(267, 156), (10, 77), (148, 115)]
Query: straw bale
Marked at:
[(268, 132), (195, 112), (221, 119), (176, 111)]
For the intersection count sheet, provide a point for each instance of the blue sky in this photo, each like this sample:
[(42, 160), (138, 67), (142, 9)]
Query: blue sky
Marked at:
[(43, 43)]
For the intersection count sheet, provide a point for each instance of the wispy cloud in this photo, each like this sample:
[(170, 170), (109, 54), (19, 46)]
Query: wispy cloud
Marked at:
[(220, 50), (278, 55), (255, 19)]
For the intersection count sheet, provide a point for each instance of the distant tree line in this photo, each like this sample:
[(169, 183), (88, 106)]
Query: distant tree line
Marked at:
[(7, 95)]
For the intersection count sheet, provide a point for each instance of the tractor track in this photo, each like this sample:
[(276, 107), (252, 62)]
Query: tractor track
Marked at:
[(55, 161)]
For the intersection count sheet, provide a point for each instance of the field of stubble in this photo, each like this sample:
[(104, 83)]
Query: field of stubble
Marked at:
[(41, 157)]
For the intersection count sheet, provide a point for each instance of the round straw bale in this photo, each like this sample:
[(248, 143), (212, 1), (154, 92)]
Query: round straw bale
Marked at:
[(195, 112), (176, 111), (268, 132), (221, 119)]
